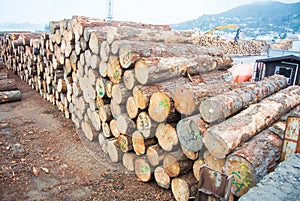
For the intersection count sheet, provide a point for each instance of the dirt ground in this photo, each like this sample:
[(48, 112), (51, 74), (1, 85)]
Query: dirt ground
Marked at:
[(44, 157)]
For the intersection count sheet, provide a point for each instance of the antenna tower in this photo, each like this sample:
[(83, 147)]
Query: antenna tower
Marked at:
[(109, 9)]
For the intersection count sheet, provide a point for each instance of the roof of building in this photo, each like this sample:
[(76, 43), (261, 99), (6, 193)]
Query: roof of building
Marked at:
[(288, 57)]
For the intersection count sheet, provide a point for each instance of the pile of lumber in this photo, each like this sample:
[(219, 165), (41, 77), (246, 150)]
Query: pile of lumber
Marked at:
[(282, 44), (9, 91), (154, 100), (242, 47)]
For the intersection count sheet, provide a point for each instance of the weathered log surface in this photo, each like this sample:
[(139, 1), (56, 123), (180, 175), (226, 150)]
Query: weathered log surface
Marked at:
[(8, 85), (190, 132), (223, 138), (218, 108), (10, 96)]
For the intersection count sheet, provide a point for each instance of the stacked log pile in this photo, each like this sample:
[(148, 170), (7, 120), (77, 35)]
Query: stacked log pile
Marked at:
[(242, 47), (137, 90)]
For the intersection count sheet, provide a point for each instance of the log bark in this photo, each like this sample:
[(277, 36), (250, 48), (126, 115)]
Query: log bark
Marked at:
[(8, 85), (162, 178), (142, 34), (10, 96), (223, 138), (140, 144), (143, 169), (218, 108), (167, 136), (253, 160), (190, 154), (190, 133), (131, 51)]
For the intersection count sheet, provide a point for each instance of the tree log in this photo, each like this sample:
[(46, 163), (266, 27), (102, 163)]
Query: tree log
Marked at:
[(96, 38), (125, 124), (113, 150), (125, 143), (10, 96), (143, 169), (184, 187), (88, 131), (162, 178), (223, 138), (155, 155), (140, 144), (8, 85), (114, 70), (128, 161), (120, 93), (142, 34), (190, 133), (129, 79), (218, 108), (131, 108), (145, 125), (167, 136), (176, 164)]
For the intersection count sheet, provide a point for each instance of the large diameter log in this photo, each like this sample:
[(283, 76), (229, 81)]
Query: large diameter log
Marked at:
[(153, 70), (10, 96), (162, 178), (253, 160), (143, 169), (190, 132), (125, 143), (131, 51), (89, 131), (218, 108), (159, 107), (8, 85), (128, 33), (223, 138), (125, 124)]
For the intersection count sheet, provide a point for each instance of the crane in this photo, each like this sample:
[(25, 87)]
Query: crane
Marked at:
[(109, 9), (232, 26)]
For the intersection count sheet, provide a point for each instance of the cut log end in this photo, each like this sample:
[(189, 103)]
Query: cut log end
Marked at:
[(243, 177), (159, 107), (143, 169), (180, 189), (162, 178), (209, 111)]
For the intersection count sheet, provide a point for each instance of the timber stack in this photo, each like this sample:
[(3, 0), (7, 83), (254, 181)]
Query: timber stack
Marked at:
[(153, 98)]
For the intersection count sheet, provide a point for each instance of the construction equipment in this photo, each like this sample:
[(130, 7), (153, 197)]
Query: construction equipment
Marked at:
[(232, 26)]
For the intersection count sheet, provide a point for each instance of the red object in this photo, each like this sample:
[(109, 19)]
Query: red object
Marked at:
[(242, 72)]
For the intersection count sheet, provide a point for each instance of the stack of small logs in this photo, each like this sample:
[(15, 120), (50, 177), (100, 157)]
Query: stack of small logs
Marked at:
[(155, 100)]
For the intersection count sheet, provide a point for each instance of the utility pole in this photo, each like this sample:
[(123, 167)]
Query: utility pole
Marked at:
[(109, 9)]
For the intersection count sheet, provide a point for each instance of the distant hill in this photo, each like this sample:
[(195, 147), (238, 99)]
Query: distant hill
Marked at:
[(254, 19), (22, 27)]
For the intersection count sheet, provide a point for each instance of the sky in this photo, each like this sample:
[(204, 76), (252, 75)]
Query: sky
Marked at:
[(146, 11)]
